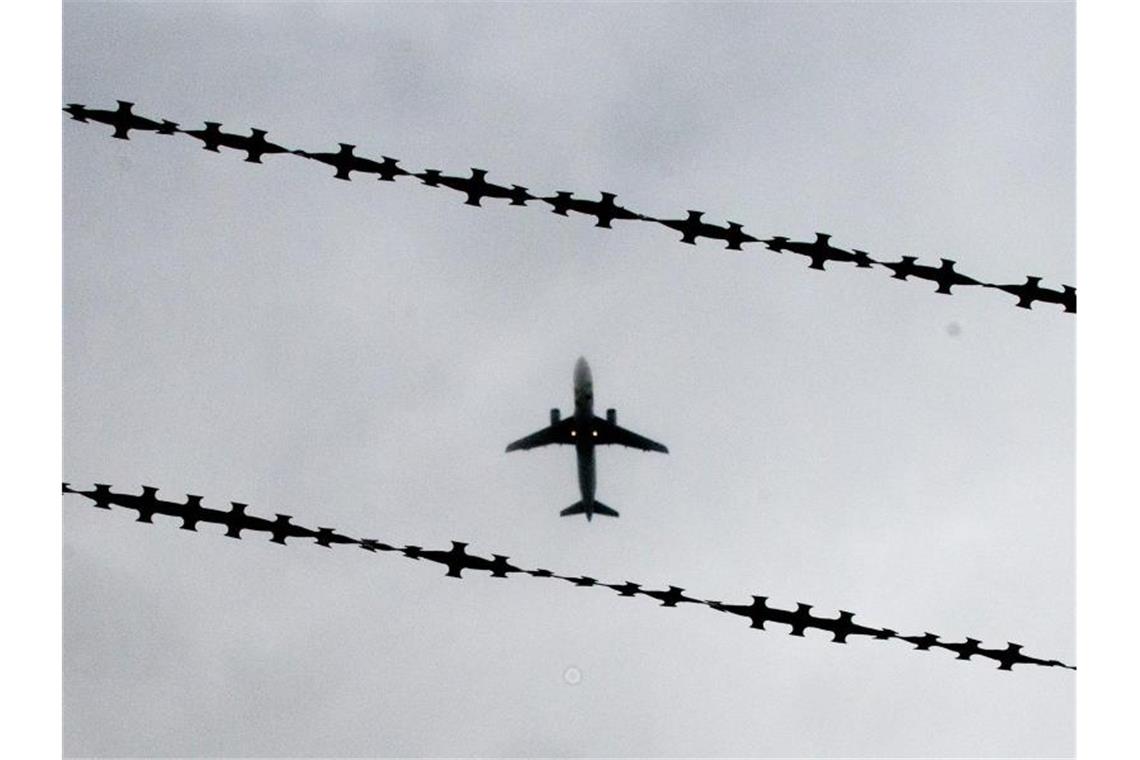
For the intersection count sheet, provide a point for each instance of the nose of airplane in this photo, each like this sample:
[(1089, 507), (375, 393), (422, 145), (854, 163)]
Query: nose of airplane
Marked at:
[(581, 369)]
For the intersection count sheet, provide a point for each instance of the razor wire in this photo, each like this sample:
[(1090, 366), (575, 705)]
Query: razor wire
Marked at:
[(345, 161), (457, 559)]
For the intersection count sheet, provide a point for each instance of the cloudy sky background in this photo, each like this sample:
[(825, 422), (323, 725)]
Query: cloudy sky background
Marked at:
[(358, 354)]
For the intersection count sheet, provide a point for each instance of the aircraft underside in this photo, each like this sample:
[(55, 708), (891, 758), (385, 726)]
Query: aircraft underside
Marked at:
[(586, 431)]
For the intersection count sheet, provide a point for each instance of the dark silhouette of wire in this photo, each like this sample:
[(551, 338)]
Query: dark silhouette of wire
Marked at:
[(456, 559), (476, 188)]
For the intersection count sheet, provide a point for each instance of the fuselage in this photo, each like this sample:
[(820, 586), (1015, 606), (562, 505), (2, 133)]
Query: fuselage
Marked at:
[(583, 430)]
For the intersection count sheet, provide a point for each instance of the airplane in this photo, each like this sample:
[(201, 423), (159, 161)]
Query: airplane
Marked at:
[(585, 431)]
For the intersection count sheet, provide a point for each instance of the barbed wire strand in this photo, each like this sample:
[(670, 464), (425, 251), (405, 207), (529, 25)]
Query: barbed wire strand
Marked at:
[(692, 227), (457, 559)]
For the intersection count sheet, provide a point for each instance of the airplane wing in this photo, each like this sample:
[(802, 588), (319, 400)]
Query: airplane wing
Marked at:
[(559, 432), (609, 432)]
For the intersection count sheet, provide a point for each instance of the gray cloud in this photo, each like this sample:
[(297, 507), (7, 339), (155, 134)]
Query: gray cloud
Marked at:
[(359, 353)]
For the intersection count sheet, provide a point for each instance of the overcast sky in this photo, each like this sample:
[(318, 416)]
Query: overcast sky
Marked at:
[(357, 354)]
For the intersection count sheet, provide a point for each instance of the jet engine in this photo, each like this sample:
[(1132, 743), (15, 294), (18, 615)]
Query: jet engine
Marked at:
[(611, 416), (555, 416)]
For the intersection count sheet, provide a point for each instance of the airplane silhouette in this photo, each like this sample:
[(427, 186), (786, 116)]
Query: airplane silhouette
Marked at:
[(605, 210), (345, 163), (122, 119), (819, 251), (585, 431), (476, 187), (944, 275), (692, 227), (1030, 291), (255, 146)]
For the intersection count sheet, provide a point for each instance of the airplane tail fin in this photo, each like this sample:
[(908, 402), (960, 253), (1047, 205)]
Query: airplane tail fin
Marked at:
[(597, 508)]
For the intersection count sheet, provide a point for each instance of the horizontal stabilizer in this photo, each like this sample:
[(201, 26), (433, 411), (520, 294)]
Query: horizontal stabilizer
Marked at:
[(573, 509), (597, 508), (602, 509)]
